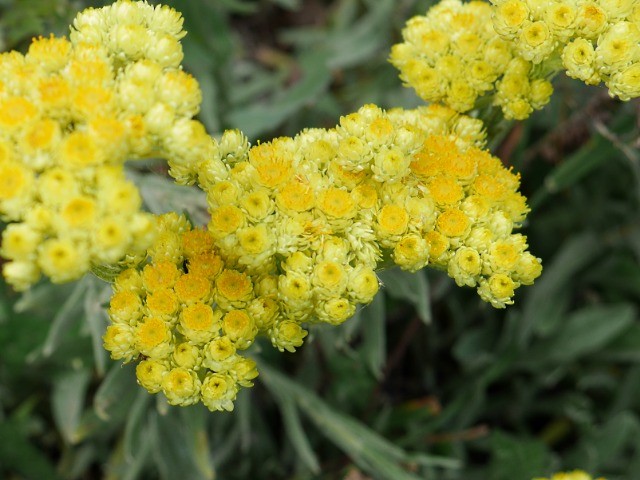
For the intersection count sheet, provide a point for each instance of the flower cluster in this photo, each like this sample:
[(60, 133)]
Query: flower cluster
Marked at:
[(71, 113), (187, 316), (574, 475), (598, 40), (299, 227), (323, 210), (452, 55), (143, 45)]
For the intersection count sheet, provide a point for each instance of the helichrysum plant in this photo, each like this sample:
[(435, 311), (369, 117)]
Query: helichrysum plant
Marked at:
[(299, 225)]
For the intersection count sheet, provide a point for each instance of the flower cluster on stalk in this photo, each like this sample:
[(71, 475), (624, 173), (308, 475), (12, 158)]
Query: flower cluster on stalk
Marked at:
[(452, 55), (299, 227), (186, 316), (597, 40), (411, 188), (71, 113)]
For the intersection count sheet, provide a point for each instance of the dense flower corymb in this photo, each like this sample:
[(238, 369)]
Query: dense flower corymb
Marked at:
[(71, 113), (452, 55), (597, 41), (299, 227), (187, 317), (411, 186)]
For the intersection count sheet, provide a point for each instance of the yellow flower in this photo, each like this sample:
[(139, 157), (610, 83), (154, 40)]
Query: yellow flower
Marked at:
[(573, 475), (218, 392), (498, 290), (240, 328), (199, 323), (287, 335), (220, 354), (62, 259), (153, 338), (16, 112), (411, 252), (452, 55), (125, 307), (187, 356), (225, 220), (233, 288), (181, 386), (295, 196), (160, 275), (191, 288), (336, 203), (150, 374), (119, 341)]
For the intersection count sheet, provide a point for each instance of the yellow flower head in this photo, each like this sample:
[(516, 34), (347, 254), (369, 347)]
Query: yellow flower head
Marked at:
[(153, 338)]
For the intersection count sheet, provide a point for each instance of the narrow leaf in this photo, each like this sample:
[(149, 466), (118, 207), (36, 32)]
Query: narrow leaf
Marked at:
[(584, 332), (548, 292), (67, 402), (412, 287), (67, 316), (367, 449), (19, 455), (374, 347), (116, 393)]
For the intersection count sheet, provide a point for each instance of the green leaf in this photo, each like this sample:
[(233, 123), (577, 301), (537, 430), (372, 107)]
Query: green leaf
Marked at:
[(288, 4), (67, 401), (474, 348), (584, 332), (68, 315), (135, 426), (367, 449), (296, 434), (625, 347), (195, 420), (116, 393), (174, 448), (96, 296), (374, 348), (412, 287), (591, 156), (611, 439), (121, 466), (598, 151), (261, 117), (517, 458), (162, 195), (19, 455), (546, 302)]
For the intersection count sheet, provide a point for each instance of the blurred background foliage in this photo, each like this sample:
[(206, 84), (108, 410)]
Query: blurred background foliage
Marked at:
[(426, 382)]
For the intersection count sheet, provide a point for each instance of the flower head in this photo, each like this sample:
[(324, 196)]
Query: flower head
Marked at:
[(452, 55), (71, 113)]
